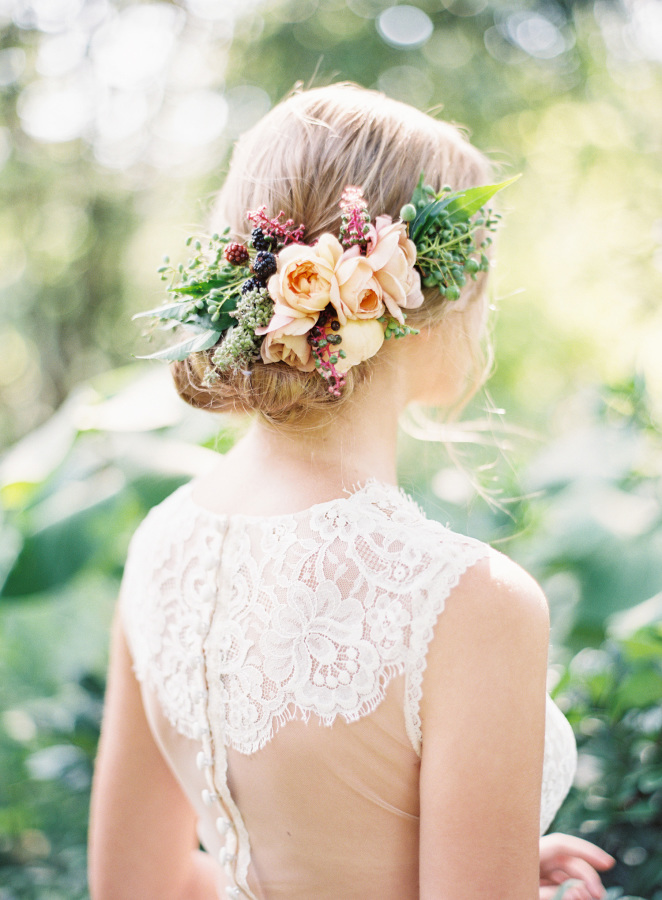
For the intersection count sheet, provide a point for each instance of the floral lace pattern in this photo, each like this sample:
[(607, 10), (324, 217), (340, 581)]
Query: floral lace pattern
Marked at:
[(266, 619)]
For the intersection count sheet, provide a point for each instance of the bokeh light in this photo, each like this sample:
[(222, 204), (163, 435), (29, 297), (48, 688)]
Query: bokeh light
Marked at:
[(405, 26)]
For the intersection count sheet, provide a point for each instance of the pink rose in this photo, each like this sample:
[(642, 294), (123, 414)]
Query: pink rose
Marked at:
[(393, 256)]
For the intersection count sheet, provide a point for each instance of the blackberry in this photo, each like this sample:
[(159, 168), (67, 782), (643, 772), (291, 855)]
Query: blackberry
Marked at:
[(264, 264), (236, 254), (262, 241), (251, 284)]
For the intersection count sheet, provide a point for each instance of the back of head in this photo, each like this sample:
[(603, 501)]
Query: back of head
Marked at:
[(298, 159)]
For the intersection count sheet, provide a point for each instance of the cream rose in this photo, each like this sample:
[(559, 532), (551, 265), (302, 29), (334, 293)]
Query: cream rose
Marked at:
[(361, 339), (303, 283), (289, 344), (392, 257)]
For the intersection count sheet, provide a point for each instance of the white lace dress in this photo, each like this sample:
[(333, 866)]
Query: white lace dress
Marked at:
[(248, 633)]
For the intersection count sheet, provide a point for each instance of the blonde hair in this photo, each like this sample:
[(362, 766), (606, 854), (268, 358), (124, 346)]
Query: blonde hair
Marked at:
[(298, 159)]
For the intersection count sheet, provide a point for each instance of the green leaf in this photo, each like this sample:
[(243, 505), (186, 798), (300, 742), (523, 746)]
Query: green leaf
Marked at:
[(467, 203), (419, 193), (427, 217), (195, 344), (204, 285), (459, 206), (224, 321)]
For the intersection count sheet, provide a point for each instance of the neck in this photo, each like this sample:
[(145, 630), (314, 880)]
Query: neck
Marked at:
[(323, 460)]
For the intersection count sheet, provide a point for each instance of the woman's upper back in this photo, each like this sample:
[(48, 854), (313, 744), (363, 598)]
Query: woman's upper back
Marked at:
[(248, 633)]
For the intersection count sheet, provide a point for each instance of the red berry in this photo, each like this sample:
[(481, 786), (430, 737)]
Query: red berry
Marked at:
[(236, 254)]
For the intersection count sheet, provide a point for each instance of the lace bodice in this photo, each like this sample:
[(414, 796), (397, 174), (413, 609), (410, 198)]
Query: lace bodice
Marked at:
[(239, 625)]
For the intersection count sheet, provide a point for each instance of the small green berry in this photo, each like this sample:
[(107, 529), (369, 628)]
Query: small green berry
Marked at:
[(408, 212)]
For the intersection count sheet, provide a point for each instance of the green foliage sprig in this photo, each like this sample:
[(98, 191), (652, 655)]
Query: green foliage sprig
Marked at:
[(206, 290), (445, 226), (394, 329), (241, 344)]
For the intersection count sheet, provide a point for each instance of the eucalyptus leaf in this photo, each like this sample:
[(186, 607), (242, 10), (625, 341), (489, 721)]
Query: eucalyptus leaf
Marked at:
[(198, 321), (176, 310), (195, 344)]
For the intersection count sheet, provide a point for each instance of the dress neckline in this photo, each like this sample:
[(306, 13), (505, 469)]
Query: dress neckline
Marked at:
[(370, 485)]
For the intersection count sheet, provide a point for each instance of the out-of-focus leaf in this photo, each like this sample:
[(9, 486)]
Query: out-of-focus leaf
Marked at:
[(639, 690), (10, 548), (649, 612), (53, 555), (650, 781)]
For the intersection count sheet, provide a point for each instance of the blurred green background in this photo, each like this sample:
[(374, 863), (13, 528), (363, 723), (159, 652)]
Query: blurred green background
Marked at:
[(117, 118)]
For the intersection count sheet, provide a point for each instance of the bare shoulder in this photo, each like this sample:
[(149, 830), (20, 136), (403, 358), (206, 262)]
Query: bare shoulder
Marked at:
[(493, 633), (496, 588)]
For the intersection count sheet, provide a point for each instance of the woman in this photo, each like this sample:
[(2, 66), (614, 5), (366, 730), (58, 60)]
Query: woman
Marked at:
[(296, 587)]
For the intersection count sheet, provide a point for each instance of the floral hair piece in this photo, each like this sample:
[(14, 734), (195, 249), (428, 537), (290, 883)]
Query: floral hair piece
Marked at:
[(329, 305)]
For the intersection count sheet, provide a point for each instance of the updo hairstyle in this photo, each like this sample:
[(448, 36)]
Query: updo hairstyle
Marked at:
[(298, 159)]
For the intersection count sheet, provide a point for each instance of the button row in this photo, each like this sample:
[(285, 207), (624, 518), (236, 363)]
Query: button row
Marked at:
[(203, 761), (204, 758)]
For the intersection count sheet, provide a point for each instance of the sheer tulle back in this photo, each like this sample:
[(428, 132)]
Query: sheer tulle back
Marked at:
[(331, 811)]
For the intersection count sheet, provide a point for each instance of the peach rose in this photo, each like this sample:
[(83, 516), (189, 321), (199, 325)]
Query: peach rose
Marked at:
[(289, 344), (357, 294), (361, 339), (392, 257), (303, 283)]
